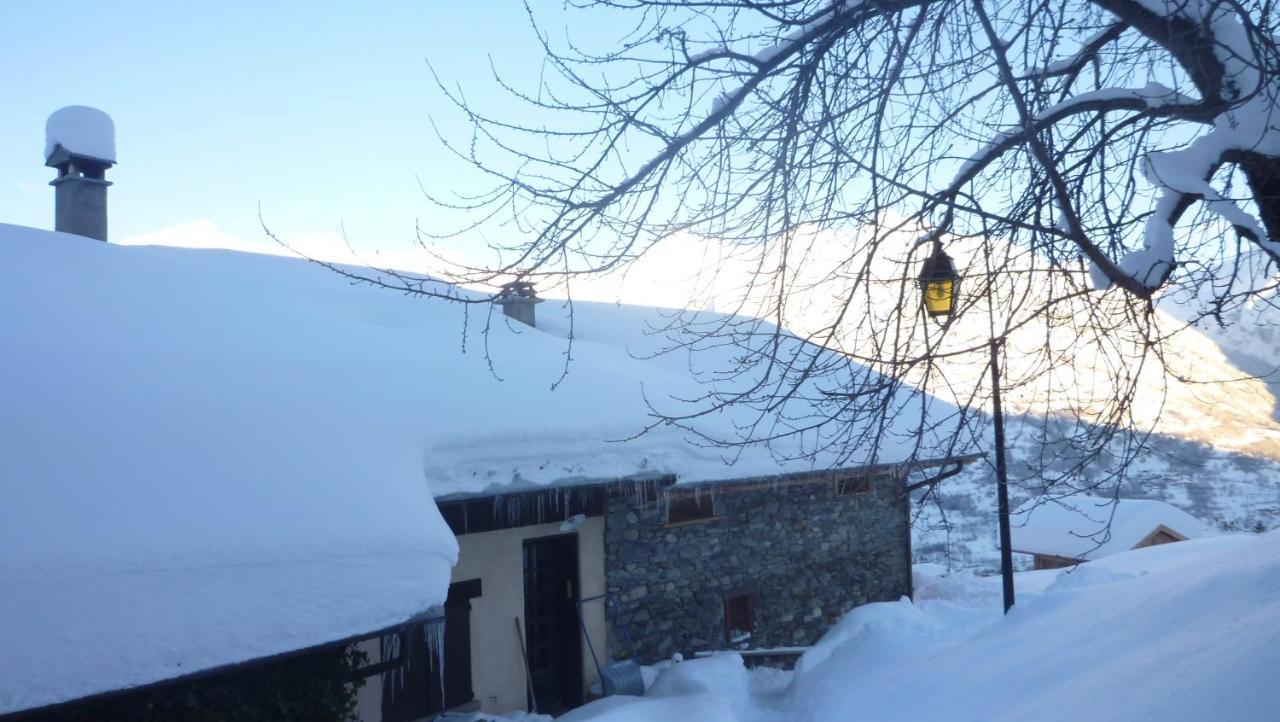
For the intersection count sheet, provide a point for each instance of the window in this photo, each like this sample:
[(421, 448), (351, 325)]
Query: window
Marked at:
[(739, 619), (853, 485), (685, 509)]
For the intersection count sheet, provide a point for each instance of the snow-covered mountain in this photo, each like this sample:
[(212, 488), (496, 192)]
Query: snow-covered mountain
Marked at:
[(1209, 400), (1215, 452)]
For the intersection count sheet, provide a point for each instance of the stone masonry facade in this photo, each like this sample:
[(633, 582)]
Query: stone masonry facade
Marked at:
[(803, 552)]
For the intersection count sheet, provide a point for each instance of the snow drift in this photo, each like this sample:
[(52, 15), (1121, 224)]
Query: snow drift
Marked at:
[(1180, 633), (1187, 631)]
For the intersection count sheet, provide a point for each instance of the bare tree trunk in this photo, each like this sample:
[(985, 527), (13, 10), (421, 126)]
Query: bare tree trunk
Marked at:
[(1263, 174)]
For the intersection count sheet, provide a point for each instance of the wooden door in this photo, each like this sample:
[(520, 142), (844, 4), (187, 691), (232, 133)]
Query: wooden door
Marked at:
[(553, 638)]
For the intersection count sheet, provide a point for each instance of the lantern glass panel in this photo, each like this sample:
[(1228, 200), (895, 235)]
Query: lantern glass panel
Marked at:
[(939, 297)]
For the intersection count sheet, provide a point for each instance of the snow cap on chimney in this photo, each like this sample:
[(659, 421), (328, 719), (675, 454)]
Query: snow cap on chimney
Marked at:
[(82, 132)]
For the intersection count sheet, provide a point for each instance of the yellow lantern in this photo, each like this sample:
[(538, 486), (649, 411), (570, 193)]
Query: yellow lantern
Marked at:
[(939, 283)]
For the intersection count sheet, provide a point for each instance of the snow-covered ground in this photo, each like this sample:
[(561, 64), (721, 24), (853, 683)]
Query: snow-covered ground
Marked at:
[(1180, 632)]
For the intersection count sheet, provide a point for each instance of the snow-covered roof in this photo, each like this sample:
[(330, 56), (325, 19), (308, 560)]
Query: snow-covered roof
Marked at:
[(82, 131), (211, 456), (1084, 527), (199, 468)]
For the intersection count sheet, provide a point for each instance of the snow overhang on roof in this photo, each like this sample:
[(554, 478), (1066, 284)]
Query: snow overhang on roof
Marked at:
[(213, 456), (191, 479), (506, 507)]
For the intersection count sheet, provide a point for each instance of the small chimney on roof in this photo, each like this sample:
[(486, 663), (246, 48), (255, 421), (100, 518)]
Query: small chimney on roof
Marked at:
[(80, 143), (518, 299)]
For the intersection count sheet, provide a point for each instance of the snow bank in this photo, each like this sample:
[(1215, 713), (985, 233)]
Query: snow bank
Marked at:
[(719, 674), (710, 689), (1087, 527), (81, 130), (1180, 632), (703, 708)]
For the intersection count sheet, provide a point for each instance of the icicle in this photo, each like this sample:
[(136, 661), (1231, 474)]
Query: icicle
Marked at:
[(435, 647)]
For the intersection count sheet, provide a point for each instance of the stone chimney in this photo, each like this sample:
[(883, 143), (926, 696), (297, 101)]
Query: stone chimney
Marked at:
[(80, 144), (518, 300)]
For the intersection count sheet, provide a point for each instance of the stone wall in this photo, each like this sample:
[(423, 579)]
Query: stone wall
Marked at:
[(805, 553)]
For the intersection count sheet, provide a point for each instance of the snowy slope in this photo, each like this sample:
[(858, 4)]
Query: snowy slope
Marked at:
[(1187, 631), (1223, 487), (1179, 633)]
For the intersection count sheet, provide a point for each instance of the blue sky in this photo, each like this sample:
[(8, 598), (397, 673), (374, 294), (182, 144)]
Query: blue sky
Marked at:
[(319, 110)]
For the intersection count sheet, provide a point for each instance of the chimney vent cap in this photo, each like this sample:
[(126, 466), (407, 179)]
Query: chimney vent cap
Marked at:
[(518, 292)]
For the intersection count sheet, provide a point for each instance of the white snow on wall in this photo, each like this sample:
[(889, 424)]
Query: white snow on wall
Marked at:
[(1088, 527), (81, 130)]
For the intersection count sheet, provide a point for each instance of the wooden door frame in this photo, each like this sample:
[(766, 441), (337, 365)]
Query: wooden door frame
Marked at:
[(574, 648)]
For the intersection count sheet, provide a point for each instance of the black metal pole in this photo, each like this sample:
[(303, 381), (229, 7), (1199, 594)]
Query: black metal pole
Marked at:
[(1002, 479)]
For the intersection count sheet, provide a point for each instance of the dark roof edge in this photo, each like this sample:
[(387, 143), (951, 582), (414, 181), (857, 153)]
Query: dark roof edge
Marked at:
[(18, 715)]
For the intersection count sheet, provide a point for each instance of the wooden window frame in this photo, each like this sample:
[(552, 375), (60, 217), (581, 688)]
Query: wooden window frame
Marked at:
[(855, 486), (732, 610), (692, 509)]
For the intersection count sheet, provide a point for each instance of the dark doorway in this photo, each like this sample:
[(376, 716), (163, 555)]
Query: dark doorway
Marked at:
[(552, 638), (419, 687)]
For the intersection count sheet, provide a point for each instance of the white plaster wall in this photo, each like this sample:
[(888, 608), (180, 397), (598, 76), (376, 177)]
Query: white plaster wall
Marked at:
[(497, 667)]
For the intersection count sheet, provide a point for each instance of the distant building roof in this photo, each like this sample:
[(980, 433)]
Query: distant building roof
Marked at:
[(1084, 527)]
